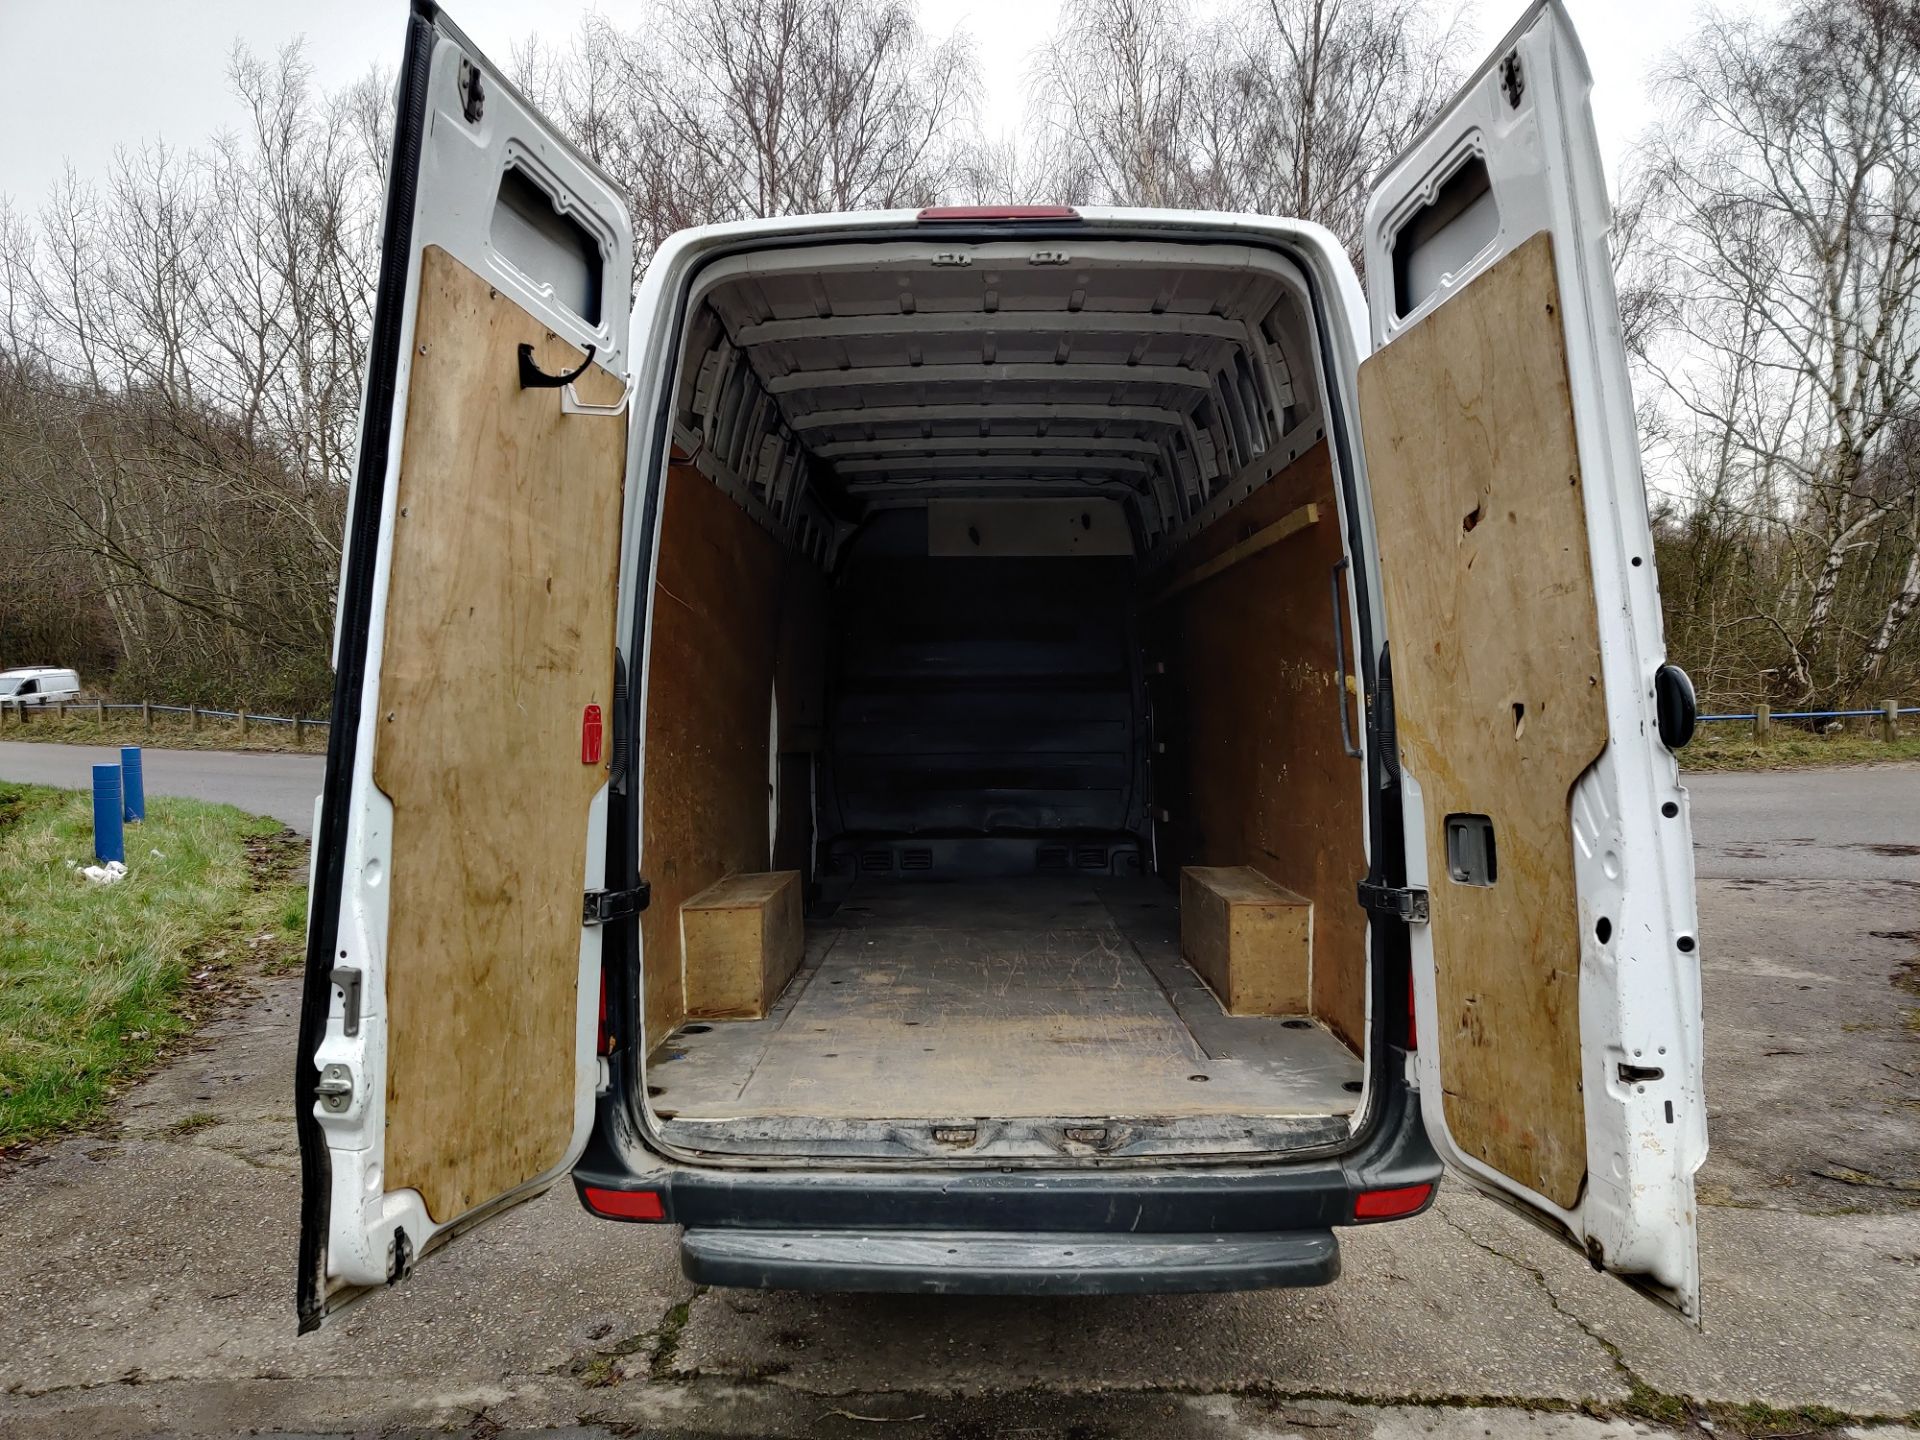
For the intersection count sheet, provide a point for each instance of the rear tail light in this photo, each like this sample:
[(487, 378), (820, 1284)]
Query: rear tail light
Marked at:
[(624, 1204), (938, 213), (1390, 1204)]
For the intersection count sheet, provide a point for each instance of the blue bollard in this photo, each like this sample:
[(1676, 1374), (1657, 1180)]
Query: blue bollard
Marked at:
[(109, 840), (133, 787)]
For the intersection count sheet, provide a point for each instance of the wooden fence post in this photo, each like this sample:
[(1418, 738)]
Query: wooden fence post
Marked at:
[(1763, 723), (193, 717), (1890, 720), (60, 710), (100, 712), (243, 723), (146, 715), (299, 731)]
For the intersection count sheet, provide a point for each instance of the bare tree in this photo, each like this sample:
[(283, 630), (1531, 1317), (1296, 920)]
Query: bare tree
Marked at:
[(1783, 237), (1285, 107), (730, 109)]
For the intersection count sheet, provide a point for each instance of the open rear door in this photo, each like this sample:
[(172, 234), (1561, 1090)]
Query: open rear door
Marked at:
[(1556, 971), (447, 1039)]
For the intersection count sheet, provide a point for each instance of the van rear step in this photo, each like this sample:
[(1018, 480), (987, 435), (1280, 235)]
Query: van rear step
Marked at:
[(962, 1262)]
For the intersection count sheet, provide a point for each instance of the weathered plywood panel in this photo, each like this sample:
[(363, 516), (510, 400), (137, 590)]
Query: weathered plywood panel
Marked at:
[(1496, 658), (735, 614), (1250, 939), (499, 631), (1248, 709), (744, 936)]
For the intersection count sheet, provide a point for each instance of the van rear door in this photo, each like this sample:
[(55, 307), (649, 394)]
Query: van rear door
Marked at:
[(1556, 967), (447, 1046)]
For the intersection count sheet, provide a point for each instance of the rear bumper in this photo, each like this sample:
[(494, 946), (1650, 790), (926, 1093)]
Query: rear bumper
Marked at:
[(842, 1229), (963, 1262)]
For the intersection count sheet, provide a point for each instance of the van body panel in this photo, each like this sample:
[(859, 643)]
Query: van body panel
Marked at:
[(448, 1030), (521, 221), (1557, 982)]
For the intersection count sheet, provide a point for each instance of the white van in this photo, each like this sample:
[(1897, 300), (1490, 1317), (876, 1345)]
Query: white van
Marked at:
[(38, 685), (1025, 750)]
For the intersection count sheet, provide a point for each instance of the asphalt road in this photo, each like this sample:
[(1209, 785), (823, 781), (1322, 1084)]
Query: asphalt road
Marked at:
[(283, 786), (146, 1267)]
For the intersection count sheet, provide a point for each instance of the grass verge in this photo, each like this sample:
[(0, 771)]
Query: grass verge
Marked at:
[(168, 732), (1731, 746), (97, 981)]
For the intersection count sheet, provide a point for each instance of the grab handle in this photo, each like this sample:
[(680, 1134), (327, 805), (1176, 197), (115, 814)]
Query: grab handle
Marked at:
[(1340, 664)]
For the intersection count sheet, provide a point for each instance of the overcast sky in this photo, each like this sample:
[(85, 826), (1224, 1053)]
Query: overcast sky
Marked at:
[(156, 68)]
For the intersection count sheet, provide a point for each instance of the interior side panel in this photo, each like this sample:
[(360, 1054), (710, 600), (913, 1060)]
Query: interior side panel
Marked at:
[(729, 602), (1253, 770), (1489, 597), (491, 654)]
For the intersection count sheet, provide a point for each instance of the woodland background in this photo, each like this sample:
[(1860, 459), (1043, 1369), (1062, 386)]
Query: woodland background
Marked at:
[(180, 345)]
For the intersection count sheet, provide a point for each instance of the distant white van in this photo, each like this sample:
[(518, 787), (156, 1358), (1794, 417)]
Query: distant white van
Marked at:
[(1026, 750), (38, 685)]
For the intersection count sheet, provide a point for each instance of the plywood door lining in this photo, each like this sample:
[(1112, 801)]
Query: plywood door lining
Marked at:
[(1490, 609), (499, 631)]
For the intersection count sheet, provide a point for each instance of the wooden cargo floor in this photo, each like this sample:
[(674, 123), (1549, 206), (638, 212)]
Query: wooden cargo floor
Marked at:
[(1036, 997)]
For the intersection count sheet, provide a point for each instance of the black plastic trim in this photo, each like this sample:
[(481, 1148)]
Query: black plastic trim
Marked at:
[(937, 1262), (1241, 1199), (356, 613)]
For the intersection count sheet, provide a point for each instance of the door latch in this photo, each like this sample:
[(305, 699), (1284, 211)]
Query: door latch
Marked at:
[(1407, 904), (335, 1089), (602, 906)]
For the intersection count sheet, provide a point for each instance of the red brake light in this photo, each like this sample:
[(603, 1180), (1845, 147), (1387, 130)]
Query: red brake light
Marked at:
[(998, 212), (624, 1204), (1386, 1204)]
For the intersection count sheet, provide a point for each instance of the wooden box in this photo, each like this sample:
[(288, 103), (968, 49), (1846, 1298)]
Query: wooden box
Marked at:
[(1248, 938), (742, 938)]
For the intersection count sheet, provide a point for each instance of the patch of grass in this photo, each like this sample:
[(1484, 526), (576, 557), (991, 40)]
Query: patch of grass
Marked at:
[(168, 732), (96, 981), (1730, 746)]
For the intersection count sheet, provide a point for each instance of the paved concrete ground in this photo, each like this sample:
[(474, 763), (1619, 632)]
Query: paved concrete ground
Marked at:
[(146, 1268), (283, 786)]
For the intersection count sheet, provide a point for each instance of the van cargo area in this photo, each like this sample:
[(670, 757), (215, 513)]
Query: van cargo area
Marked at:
[(1002, 791)]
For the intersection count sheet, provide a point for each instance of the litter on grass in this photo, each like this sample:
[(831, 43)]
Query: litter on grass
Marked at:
[(104, 874)]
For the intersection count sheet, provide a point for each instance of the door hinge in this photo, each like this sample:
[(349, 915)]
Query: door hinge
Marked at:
[(603, 906), (1396, 902)]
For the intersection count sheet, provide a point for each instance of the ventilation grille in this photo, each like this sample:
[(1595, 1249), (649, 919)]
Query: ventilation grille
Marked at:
[(916, 859), (876, 862), (1051, 857)]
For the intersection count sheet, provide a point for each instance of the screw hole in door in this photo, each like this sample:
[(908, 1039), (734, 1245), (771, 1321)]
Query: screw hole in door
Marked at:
[(1603, 930)]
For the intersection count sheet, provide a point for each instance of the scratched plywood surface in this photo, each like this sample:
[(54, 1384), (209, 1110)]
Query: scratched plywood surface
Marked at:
[(1037, 996), (1254, 772), (735, 615), (1490, 610), (499, 631)]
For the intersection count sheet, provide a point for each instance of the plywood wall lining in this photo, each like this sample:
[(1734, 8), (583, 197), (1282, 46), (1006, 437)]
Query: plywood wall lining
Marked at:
[(1254, 771), (735, 614), (1489, 601), (491, 653)]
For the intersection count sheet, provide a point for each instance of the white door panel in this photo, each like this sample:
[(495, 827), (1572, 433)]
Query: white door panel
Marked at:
[(1451, 227), (501, 244)]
